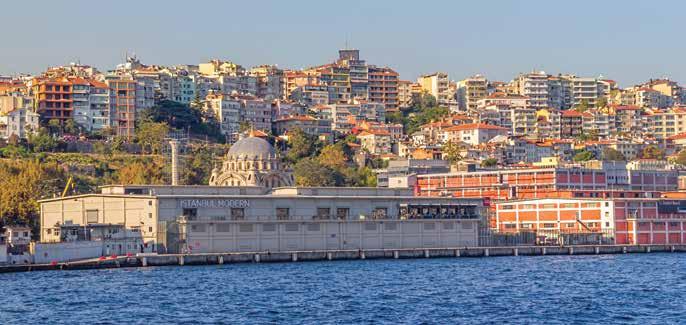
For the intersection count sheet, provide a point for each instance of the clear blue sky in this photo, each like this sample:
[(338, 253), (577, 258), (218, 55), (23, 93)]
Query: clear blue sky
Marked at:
[(628, 41)]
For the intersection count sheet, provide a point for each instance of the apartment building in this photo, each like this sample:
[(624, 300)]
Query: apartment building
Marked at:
[(20, 122), (474, 133), (309, 125), (53, 98), (376, 142), (383, 87), (123, 105), (226, 111), (469, 91), (404, 93), (436, 84)]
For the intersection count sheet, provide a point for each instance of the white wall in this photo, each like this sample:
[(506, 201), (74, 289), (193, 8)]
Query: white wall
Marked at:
[(44, 253), (329, 235), (3, 254)]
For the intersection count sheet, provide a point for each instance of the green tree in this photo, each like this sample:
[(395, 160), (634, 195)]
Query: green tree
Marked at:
[(613, 155), (117, 144), (309, 172), (652, 152), (333, 156), (489, 162), (582, 106), (681, 158), (151, 135), (41, 141), (71, 127), (583, 155), (244, 126), (141, 172), (452, 152), (301, 145), (198, 168), (601, 102), (55, 126)]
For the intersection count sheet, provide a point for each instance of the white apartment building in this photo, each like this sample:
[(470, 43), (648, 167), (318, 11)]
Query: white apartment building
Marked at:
[(20, 122)]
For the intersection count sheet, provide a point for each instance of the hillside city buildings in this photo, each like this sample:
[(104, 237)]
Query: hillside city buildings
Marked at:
[(580, 143)]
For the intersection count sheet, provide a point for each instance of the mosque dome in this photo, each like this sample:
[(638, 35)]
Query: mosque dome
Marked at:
[(251, 147)]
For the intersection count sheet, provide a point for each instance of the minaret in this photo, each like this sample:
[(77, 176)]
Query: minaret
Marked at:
[(175, 162)]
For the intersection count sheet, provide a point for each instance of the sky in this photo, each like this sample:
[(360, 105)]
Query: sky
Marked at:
[(627, 41)]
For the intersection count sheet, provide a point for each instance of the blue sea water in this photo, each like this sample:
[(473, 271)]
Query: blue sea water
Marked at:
[(638, 289)]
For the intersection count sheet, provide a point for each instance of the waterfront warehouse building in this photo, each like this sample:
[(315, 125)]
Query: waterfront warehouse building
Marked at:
[(189, 219), (266, 215)]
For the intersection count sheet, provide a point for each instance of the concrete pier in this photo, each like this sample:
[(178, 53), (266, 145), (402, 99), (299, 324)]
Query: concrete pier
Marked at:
[(149, 260)]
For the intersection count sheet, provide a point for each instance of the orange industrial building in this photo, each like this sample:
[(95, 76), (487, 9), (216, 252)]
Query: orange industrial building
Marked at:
[(625, 220)]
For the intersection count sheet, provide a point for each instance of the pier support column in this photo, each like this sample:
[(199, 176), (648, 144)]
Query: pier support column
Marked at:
[(181, 260), (458, 253), (516, 252), (295, 257), (426, 253), (487, 252), (647, 249), (624, 250), (597, 250), (396, 255), (144, 261), (571, 250), (329, 256), (672, 249), (543, 251), (362, 256), (257, 258), (221, 259)]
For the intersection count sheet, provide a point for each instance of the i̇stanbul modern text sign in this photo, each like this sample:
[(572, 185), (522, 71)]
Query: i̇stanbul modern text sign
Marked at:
[(214, 203)]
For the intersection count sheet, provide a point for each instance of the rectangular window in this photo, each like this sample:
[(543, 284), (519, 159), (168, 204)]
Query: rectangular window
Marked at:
[(191, 214), (370, 226), (268, 227), (509, 226), (245, 228), (197, 228), (567, 205), (390, 226), (448, 226), (342, 213), (237, 213), (549, 225), (149, 229), (429, 226), (282, 213), (506, 207), (323, 213), (379, 213), (313, 227), (223, 227), (92, 216), (292, 227)]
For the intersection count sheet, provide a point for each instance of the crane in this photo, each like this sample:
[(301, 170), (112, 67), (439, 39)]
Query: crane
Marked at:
[(69, 186)]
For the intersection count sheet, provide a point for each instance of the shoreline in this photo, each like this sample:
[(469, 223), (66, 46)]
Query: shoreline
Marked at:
[(148, 260)]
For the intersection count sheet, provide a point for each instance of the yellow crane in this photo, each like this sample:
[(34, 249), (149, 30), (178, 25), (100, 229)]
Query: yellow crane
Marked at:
[(69, 186)]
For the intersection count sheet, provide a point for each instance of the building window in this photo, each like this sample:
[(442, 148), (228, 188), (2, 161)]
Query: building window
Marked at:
[(323, 213), (510, 226), (149, 229), (237, 213), (197, 228), (191, 214), (223, 227), (342, 213), (245, 228), (292, 227), (92, 216), (506, 207), (268, 227), (281, 213), (379, 213)]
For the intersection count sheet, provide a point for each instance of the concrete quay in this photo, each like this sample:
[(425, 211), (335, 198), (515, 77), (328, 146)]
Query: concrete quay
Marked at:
[(147, 260)]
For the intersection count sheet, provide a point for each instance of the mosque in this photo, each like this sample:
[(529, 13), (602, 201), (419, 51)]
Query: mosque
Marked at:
[(252, 161)]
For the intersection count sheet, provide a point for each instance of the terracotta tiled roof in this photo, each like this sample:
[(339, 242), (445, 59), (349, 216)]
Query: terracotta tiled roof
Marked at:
[(475, 126)]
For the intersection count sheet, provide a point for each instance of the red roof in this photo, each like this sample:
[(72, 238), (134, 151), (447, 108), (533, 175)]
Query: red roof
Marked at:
[(475, 126), (571, 113)]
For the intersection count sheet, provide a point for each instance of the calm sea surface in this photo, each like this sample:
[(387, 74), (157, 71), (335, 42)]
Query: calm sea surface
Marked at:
[(636, 289)]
